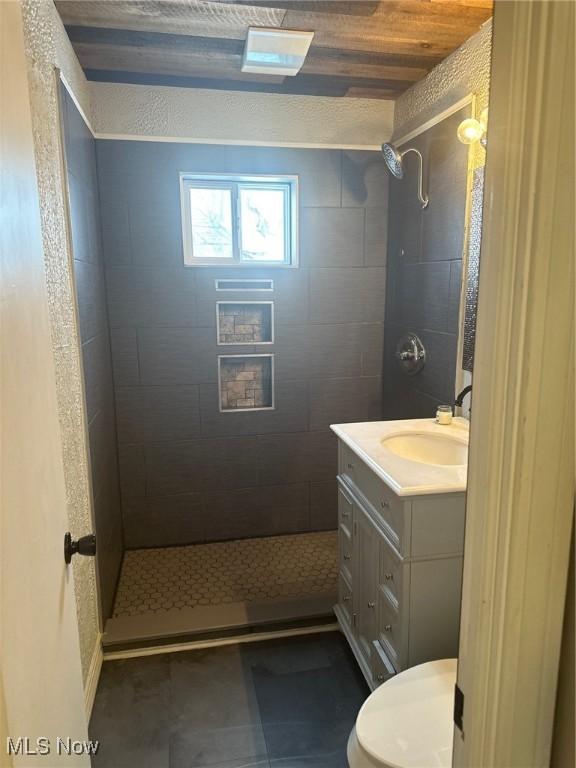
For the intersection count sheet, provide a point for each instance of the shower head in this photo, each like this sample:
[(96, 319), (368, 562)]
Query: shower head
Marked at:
[(394, 161)]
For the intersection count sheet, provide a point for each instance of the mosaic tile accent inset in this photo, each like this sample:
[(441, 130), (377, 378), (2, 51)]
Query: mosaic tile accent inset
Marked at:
[(245, 323), (277, 567), (246, 382)]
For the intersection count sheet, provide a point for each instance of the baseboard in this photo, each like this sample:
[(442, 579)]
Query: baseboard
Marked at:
[(93, 677), (112, 655)]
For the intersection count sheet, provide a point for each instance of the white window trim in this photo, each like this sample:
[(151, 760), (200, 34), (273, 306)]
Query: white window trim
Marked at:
[(234, 179)]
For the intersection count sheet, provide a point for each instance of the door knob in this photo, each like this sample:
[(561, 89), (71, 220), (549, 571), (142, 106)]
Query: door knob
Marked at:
[(85, 545)]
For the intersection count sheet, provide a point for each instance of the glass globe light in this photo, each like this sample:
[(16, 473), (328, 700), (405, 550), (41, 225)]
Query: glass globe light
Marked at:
[(470, 131)]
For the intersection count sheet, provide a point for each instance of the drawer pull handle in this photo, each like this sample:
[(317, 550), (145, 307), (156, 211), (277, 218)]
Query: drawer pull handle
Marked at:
[(347, 557), (350, 465), (385, 504), (345, 514), (371, 604), (347, 598), (388, 628), (389, 576)]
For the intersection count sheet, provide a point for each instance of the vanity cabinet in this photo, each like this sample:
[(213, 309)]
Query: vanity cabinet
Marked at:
[(400, 576)]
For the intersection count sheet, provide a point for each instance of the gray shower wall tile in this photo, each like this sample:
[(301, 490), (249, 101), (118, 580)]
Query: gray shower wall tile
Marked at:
[(174, 467), (323, 506), (125, 365), (455, 291), (423, 296), (404, 229), (375, 237), (103, 451), (164, 521), (289, 415), (443, 224), (364, 179), (97, 375), (79, 144), (144, 296), (109, 559), (339, 401), (146, 414), (79, 205), (446, 158), (156, 231), (163, 317), (178, 355), (292, 458), (331, 237), (347, 295), (229, 462), (345, 349), (91, 299), (290, 294), (132, 465), (328, 350), (263, 511), (135, 163), (201, 465), (116, 243)]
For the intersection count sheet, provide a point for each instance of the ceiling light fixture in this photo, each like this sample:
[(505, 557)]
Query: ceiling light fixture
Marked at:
[(279, 52)]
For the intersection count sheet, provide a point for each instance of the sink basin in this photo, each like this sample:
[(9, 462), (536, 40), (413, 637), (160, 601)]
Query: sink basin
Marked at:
[(428, 448)]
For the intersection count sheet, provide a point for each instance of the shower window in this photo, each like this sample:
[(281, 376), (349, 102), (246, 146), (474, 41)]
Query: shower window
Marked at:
[(239, 220)]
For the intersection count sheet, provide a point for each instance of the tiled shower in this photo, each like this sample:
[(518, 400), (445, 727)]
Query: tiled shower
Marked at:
[(210, 390), (213, 463)]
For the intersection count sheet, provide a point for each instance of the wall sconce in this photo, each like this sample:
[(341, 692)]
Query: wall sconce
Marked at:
[(471, 130)]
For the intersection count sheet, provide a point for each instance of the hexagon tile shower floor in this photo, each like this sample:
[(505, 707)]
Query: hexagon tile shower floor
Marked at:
[(164, 579)]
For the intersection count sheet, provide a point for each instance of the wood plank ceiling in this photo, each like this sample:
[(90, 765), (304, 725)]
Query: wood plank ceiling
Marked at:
[(361, 48)]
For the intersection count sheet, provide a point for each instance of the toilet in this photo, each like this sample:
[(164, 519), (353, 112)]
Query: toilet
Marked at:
[(408, 721)]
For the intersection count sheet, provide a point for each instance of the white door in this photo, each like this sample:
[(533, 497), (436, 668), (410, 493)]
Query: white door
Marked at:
[(41, 681)]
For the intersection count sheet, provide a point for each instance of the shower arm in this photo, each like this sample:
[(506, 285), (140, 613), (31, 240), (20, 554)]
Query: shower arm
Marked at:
[(421, 196)]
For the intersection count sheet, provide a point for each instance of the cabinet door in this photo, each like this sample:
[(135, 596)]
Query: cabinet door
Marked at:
[(366, 550)]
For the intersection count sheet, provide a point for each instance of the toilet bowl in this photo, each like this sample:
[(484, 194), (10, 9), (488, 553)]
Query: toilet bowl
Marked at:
[(407, 722)]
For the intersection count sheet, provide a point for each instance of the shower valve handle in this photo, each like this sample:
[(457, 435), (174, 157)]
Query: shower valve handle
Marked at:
[(85, 545)]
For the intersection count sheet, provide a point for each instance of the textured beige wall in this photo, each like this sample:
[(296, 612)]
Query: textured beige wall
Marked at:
[(48, 47), (466, 71), (220, 117)]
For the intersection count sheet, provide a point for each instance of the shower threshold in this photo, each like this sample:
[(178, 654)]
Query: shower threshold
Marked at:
[(215, 589)]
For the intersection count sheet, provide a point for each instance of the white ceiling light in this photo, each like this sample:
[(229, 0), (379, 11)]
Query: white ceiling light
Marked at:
[(275, 51)]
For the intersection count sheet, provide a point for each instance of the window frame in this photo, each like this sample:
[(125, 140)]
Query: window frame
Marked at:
[(235, 182)]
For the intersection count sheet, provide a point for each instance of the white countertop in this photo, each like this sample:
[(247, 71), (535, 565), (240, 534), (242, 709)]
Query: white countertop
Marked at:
[(403, 476)]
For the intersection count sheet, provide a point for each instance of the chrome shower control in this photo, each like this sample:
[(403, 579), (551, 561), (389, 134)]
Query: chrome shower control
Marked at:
[(410, 353)]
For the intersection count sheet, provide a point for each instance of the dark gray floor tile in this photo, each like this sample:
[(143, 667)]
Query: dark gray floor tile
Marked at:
[(233, 746), (130, 715), (336, 759), (295, 654), (309, 711), (213, 710)]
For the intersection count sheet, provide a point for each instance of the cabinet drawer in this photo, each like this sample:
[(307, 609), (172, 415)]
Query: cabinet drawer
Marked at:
[(345, 597), (382, 668), (346, 550), (391, 573), (345, 510), (347, 462), (389, 630), (385, 503)]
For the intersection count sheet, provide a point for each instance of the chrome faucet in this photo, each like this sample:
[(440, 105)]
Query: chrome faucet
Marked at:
[(460, 399)]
